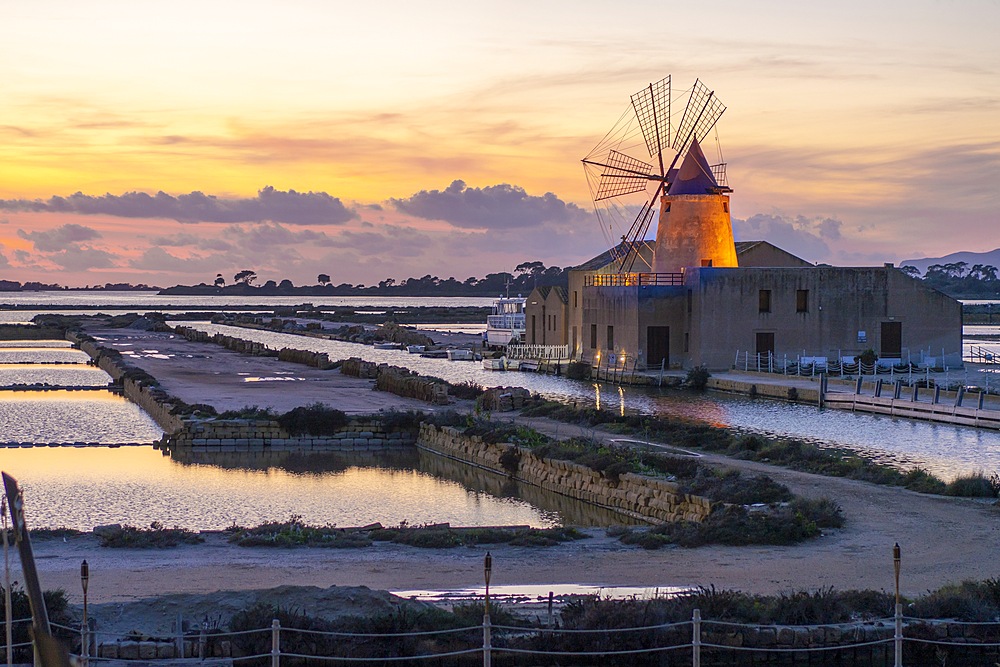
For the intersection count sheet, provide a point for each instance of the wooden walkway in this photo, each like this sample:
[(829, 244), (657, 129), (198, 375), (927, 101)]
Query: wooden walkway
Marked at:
[(959, 408)]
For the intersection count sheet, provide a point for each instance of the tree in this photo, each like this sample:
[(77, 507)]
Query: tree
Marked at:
[(219, 280), (270, 284), (285, 284), (246, 276), (911, 271), (323, 279)]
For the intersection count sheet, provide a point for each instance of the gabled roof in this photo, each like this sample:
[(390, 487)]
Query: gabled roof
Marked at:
[(544, 291), (607, 257), (695, 175)]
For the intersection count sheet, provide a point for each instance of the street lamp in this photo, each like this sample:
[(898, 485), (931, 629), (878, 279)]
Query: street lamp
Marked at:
[(898, 637), (487, 630), (487, 571), (896, 561), (85, 636)]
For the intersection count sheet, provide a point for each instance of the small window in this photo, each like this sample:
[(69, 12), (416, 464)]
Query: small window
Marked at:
[(802, 301), (576, 302), (765, 301), (593, 336), (725, 207), (686, 341), (611, 337), (706, 262)]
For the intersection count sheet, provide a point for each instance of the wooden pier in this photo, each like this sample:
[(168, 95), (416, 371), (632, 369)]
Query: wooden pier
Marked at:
[(927, 404)]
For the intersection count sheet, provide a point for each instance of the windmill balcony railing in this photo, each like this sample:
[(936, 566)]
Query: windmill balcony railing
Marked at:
[(633, 279)]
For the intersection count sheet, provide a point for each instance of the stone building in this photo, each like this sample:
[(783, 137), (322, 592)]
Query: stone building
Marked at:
[(545, 316), (704, 299)]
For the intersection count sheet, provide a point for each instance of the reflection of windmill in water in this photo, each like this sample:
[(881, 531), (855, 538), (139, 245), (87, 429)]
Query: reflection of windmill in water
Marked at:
[(694, 227)]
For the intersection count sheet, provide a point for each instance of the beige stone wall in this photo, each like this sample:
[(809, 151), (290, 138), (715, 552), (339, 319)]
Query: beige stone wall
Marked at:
[(636, 496), (693, 229)]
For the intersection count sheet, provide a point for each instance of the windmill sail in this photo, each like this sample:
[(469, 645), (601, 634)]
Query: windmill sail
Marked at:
[(623, 175)]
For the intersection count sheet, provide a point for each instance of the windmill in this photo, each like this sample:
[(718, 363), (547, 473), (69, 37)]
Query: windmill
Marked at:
[(612, 173)]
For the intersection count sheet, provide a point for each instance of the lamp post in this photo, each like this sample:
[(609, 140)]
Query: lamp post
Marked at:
[(85, 635), (7, 606), (898, 639), (487, 648)]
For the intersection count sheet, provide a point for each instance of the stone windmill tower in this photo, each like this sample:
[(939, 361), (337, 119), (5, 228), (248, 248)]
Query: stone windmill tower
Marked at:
[(694, 227)]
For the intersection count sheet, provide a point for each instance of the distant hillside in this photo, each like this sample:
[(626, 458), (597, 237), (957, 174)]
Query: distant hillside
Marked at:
[(971, 258)]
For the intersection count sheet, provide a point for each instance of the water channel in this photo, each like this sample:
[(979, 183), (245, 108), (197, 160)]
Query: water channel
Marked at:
[(82, 486)]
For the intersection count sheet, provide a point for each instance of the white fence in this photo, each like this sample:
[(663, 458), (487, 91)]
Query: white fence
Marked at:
[(697, 642), (540, 352)]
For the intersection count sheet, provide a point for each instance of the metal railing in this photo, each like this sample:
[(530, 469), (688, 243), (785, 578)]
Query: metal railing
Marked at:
[(633, 279), (696, 642), (541, 352)]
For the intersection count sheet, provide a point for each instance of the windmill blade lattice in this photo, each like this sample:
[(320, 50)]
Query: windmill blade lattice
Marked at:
[(652, 109), (703, 110), (623, 175)]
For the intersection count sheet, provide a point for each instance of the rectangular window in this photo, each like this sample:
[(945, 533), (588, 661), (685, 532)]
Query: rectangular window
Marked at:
[(690, 301), (725, 207), (611, 337), (765, 301), (593, 336), (801, 301), (706, 262), (686, 341), (576, 302)]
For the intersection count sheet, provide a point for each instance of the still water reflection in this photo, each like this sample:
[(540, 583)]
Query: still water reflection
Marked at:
[(944, 450), (83, 487)]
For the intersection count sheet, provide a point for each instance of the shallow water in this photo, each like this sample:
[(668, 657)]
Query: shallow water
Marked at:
[(84, 487)]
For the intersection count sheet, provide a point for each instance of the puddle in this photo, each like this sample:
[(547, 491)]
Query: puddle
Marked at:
[(527, 594), (272, 379)]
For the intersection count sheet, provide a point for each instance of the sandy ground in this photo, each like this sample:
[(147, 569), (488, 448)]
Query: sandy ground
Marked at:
[(226, 380)]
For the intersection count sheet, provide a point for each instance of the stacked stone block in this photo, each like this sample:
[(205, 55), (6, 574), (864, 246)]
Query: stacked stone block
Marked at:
[(651, 498)]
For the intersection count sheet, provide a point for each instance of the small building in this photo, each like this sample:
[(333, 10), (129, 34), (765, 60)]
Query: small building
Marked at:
[(546, 316)]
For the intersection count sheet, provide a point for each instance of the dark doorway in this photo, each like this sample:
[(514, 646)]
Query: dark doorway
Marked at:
[(892, 340), (765, 344), (658, 347)]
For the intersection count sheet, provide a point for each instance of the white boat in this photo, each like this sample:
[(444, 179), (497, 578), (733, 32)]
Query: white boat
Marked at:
[(416, 349), (506, 324), (386, 346), (459, 354)]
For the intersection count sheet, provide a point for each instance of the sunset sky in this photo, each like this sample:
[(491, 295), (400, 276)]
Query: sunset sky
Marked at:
[(389, 139)]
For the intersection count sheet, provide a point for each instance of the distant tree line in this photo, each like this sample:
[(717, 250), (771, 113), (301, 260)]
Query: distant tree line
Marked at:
[(15, 286), (958, 279), (526, 277)]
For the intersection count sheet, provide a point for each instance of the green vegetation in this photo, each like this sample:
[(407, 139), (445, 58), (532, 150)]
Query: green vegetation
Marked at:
[(154, 537), (315, 419), (697, 378), (443, 537), (786, 452), (63, 623), (295, 533), (738, 525)]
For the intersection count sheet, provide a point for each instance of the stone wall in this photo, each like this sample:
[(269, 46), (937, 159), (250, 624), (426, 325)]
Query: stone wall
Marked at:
[(150, 399), (633, 495), (397, 380), (247, 435), (228, 342)]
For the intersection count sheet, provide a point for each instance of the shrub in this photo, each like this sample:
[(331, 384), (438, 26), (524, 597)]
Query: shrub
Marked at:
[(315, 419), (466, 390), (154, 537), (510, 459), (976, 485), (401, 419), (578, 370), (250, 412), (697, 378)]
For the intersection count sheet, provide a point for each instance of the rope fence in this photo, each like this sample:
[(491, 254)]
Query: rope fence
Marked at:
[(896, 640)]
